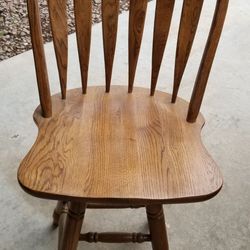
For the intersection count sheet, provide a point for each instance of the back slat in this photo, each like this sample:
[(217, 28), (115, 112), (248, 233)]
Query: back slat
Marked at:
[(188, 25), (137, 15), (110, 11), (207, 60), (83, 19), (39, 57), (163, 16), (83, 14), (58, 20)]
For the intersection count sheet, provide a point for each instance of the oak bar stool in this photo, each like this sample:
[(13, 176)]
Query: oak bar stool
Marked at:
[(127, 148)]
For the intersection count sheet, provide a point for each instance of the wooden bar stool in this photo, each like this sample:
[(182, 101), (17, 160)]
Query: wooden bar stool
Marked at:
[(104, 147)]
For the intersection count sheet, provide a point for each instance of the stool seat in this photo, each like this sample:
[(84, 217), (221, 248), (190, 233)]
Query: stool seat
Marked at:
[(119, 147)]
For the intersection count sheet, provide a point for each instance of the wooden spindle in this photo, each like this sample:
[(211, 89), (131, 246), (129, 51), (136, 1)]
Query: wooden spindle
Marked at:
[(110, 11), (137, 16), (72, 226), (115, 237), (58, 20), (61, 207), (157, 227), (188, 25), (207, 60), (39, 57), (163, 16), (83, 20)]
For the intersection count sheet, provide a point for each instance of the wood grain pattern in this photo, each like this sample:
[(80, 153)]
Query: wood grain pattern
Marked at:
[(188, 25), (137, 14), (39, 57), (58, 20), (110, 11), (163, 17), (207, 60), (121, 148), (83, 20)]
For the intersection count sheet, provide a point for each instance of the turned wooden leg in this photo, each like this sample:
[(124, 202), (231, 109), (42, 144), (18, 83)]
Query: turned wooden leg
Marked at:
[(71, 227), (157, 227), (61, 207), (62, 220)]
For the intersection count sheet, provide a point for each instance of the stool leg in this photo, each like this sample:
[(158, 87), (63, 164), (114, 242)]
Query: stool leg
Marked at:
[(157, 227), (71, 227), (60, 208)]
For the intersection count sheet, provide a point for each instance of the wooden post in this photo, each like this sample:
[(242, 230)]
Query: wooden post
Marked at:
[(157, 227)]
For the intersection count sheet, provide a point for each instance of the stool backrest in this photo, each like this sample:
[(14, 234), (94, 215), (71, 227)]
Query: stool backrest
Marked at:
[(189, 21)]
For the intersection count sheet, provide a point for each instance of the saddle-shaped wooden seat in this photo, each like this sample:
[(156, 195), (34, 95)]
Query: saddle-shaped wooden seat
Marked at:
[(119, 146), (113, 146)]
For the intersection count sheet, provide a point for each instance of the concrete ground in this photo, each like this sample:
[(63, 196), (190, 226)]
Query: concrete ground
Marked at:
[(222, 223)]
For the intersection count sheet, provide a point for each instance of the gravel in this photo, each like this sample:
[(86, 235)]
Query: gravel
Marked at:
[(14, 27)]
